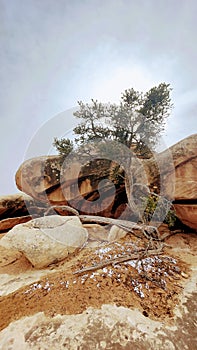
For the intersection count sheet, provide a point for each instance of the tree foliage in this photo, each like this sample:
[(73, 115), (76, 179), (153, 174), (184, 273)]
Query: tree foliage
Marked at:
[(137, 121), (63, 146), (152, 202)]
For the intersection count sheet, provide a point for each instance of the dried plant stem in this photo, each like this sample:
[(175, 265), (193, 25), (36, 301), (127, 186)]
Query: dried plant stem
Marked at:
[(129, 226), (137, 255), (62, 207)]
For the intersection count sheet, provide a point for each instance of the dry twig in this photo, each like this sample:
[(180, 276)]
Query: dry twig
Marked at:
[(129, 226), (62, 207), (138, 255)]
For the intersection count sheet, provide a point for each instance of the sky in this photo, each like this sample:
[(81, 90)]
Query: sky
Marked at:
[(55, 53)]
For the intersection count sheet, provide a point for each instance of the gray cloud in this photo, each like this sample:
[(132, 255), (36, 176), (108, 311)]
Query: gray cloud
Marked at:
[(54, 53)]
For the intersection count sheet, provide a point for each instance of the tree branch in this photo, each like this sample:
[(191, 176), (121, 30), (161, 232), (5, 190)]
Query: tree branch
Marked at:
[(134, 256)]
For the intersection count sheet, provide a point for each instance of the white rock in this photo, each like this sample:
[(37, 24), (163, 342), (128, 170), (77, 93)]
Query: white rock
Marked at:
[(75, 331), (96, 232), (116, 233), (46, 240)]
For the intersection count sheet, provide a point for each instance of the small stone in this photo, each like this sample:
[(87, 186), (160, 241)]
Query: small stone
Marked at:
[(103, 344), (184, 275), (116, 233)]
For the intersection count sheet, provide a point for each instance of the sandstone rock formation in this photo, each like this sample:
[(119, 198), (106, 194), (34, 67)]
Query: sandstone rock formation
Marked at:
[(187, 213), (111, 327), (178, 176), (116, 233), (56, 309), (46, 240), (7, 224), (41, 177), (15, 209), (100, 233)]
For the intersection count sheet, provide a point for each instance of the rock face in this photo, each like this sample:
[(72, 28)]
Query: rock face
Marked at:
[(109, 328), (179, 177), (45, 180), (46, 240), (12, 205), (42, 178), (43, 314), (14, 210), (38, 176), (183, 175), (7, 224), (187, 213), (185, 198), (116, 233)]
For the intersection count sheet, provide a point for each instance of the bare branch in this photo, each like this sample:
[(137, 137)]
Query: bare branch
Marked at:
[(140, 254), (129, 226), (62, 207)]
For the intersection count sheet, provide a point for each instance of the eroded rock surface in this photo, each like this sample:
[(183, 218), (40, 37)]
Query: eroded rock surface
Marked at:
[(16, 209), (184, 155), (56, 309), (174, 170), (45, 179), (187, 213), (48, 239), (109, 328), (7, 224)]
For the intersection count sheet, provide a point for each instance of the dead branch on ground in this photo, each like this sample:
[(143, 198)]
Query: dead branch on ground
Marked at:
[(62, 207), (147, 230), (135, 256)]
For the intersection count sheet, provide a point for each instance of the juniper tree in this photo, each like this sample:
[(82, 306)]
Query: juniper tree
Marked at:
[(136, 122)]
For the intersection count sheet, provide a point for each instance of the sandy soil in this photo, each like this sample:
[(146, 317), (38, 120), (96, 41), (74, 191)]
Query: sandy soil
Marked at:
[(153, 284)]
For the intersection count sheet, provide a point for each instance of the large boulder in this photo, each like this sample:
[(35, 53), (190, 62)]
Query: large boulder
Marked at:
[(40, 177), (15, 205), (187, 213), (44, 180), (46, 240), (110, 327), (176, 168), (179, 173), (185, 197), (15, 209), (7, 224)]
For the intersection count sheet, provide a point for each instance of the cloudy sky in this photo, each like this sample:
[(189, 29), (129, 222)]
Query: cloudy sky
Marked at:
[(54, 53)]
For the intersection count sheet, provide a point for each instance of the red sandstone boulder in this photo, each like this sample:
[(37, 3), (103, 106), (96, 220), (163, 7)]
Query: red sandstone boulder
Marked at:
[(184, 179), (41, 178)]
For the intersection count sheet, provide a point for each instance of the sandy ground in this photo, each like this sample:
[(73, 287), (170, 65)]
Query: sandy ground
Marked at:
[(153, 285)]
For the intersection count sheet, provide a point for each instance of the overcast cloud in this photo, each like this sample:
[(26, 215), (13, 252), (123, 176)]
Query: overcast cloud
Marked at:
[(54, 53)]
